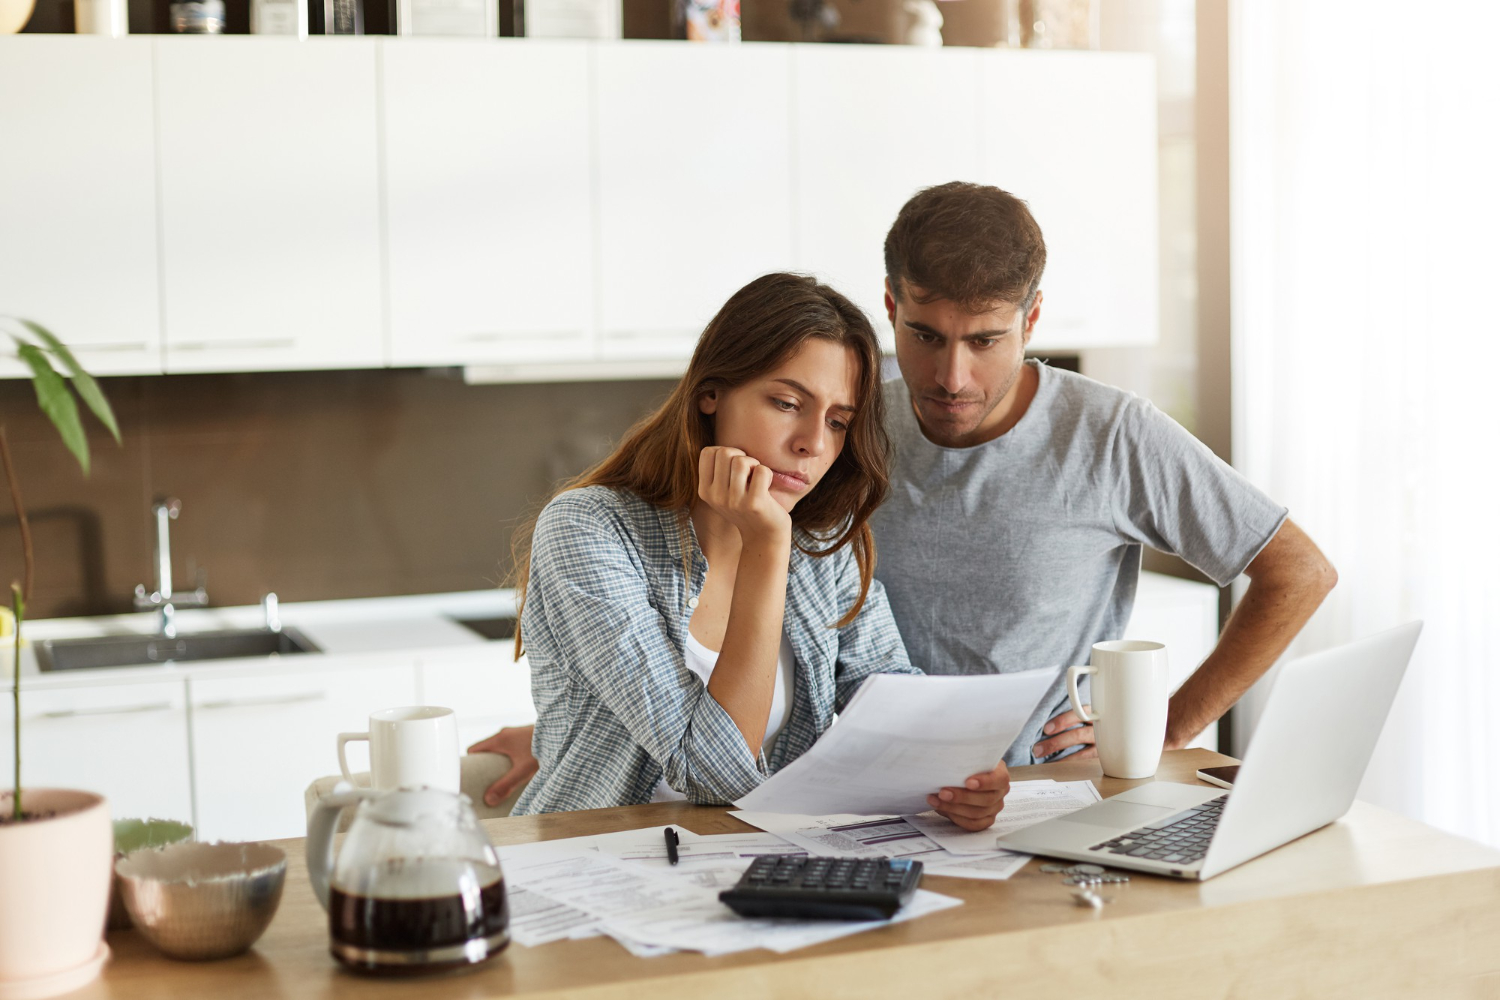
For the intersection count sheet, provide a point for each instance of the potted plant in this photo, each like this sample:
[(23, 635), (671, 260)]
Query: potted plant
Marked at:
[(56, 845)]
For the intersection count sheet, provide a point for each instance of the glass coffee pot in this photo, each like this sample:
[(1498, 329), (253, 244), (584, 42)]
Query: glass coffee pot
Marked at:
[(417, 886)]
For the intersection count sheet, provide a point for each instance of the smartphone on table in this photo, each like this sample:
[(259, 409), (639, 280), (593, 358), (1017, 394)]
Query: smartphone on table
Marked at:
[(1221, 776)]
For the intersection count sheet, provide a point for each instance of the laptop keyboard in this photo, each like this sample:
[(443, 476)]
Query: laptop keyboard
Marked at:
[(1179, 839)]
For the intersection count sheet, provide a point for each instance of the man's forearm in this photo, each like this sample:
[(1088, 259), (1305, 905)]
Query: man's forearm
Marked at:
[(1288, 582)]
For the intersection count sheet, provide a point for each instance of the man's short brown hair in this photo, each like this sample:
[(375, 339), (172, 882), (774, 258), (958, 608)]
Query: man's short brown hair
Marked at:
[(969, 243)]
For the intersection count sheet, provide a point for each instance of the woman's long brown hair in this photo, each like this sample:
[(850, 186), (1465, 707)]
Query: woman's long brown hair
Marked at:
[(758, 329)]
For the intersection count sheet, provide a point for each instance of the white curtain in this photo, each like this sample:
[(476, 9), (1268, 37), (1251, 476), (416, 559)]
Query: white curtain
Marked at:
[(1366, 352)]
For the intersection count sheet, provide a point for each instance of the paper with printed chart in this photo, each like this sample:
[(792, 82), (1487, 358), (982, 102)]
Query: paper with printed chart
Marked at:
[(900, 739), (1026, 803)]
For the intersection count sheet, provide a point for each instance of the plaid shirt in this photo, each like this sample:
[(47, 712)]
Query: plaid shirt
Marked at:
[(605, 623)]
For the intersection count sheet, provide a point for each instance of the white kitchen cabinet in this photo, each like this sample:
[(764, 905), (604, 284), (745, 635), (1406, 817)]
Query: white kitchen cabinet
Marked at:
[(695, 186), (483, 685), (875, 124), (126, 741), (270, 218), (1074, 134), (488, 201), (78, 198), (259, 739)]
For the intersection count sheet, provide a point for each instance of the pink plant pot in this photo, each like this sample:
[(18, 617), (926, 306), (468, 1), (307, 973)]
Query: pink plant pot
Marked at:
[(55, 873)]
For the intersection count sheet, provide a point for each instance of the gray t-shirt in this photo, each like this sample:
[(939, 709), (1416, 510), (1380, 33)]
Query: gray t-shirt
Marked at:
[(1024, 551)]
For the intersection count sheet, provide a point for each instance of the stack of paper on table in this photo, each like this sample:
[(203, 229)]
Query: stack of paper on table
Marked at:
[(623, 886)]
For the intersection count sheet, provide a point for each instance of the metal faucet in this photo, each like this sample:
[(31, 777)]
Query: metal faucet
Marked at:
[(165, 511)]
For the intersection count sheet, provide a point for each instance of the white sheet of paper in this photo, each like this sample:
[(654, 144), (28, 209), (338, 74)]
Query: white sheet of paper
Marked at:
[(992, 866), (901, 738), (1026, 803), (585, 886), (719, 931)]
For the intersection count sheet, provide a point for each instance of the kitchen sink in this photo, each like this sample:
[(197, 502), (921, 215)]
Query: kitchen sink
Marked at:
[(143, 650), (490, 628)]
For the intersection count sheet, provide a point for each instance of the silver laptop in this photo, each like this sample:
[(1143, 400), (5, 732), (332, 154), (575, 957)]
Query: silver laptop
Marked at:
[(1300, 772)]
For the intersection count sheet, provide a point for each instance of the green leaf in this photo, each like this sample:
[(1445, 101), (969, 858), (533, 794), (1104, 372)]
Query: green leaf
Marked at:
[(88, 389), (56, 401)]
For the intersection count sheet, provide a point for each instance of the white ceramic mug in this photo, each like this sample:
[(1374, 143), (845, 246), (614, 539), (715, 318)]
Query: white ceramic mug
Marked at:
[(409, 747), (1129, 705)]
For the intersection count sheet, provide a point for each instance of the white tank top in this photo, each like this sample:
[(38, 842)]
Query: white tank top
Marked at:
[(701, 661)]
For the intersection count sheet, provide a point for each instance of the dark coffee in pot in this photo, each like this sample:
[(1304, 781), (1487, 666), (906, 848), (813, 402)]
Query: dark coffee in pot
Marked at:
[(404, 927)]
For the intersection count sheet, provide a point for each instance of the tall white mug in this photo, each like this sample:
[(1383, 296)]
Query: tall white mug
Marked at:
[(409, 747), (1130, 705)]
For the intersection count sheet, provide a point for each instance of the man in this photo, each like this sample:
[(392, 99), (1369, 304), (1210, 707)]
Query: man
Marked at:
[(1022, 496)]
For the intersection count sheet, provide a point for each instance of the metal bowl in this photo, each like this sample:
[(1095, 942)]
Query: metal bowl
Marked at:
[(202, 901)]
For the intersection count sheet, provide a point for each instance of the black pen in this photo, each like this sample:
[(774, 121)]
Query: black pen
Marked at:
[(671, 836)]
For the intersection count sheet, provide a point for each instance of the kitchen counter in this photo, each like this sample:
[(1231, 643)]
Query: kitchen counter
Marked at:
[(346, 628)]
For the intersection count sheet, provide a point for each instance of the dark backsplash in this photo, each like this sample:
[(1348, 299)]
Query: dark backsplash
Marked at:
[(317, 485)]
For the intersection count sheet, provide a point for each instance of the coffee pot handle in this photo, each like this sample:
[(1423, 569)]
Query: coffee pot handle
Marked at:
[(1073, 674), (321, 826)]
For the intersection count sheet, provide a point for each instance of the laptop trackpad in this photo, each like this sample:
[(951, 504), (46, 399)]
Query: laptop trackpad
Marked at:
[(1122, 815)]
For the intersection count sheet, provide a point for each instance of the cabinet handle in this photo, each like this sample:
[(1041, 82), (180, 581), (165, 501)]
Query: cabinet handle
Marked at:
[(650, 335), (107, 348), (73, 713), (272, 344), (498, 336), (283, 699)]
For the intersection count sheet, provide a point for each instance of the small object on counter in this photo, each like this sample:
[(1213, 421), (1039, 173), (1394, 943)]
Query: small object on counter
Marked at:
[(570, 19), (278, 17), (1059, 24), (101, 17), (463, 18), (336, 17), (1088, 897), (672, 842), (135, 835), (924, 25), (707, 20), (198, 17), (202, 901)]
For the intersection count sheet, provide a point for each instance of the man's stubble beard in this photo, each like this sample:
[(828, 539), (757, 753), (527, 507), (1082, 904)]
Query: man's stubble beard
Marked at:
[(962, 440)]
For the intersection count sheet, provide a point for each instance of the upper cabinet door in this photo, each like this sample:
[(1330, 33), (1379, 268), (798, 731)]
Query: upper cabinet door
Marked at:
[(78, 197), (488, 199), (875, 124), (1074, 134), (270, 203), (694, 161)]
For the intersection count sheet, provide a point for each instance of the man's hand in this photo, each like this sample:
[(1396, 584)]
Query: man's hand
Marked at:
[(974, 806), (1066, 730), (513, 742)]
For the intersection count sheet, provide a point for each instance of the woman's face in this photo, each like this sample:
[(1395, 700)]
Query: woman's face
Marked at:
[(793, 419)]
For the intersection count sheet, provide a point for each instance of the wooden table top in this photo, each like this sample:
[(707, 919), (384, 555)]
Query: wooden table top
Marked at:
[(1367, 848)]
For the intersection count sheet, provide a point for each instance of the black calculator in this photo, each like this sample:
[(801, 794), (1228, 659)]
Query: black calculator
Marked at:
[(824, 888)]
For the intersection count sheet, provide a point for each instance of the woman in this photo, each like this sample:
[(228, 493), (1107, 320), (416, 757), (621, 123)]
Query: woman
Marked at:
[(700, 604)]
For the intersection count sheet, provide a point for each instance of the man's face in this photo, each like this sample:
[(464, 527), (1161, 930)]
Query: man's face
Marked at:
[(962, 368)]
